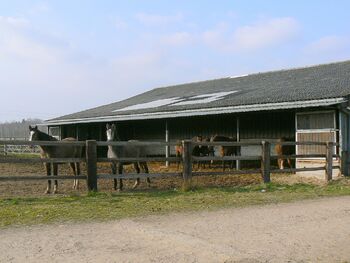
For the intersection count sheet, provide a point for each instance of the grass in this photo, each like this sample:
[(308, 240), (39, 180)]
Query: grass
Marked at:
[(109, 206)]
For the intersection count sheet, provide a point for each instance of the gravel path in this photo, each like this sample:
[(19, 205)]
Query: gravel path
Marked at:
[(307, 231)]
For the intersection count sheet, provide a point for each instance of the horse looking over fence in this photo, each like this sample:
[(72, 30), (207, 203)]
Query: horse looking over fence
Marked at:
[(224, 150), (201, 150), (284, 150), (57, 151), (197, 150), (127, 151)]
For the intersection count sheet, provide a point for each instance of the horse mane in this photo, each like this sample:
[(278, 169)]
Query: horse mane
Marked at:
[(46, 137)]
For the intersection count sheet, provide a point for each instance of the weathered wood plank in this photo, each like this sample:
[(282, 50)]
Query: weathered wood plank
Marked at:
[(187, 164), (91, 165), (40, 177), (250, 171), (292, 170), (44, 143), (136, 175), (265, 161), (329, 161), (227, 158), (39, 160), (295, 156), (226, 143), (136, 143), (139, 159)]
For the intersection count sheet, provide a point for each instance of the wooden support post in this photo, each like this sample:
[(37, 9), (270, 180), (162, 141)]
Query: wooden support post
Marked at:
[(91, 164), (238, 162), (265, 161), (167, 148), (187, 164), (329, 161)]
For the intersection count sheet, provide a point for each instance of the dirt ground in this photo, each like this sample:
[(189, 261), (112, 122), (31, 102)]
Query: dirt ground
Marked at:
[(37, 188), (306, 231)]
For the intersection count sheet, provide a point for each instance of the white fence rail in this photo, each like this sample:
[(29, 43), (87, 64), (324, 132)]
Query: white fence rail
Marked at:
[(16, 149)]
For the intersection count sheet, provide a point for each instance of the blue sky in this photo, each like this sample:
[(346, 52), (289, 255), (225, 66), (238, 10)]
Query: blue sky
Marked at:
[(59, 57)]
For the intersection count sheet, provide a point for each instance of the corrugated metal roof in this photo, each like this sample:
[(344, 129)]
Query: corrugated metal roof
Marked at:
[(319, 85)]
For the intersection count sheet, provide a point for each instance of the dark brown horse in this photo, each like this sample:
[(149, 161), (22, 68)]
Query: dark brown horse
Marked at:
[(127, 151), (224, 150), (197, 150), (201, 150), (284, 150), (57, 151)]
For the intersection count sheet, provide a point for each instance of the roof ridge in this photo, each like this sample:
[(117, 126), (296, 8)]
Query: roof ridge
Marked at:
[(301, 67)]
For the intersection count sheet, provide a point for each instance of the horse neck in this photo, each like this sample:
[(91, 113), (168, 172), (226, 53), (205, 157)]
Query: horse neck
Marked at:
[(46, 150), (113, 150), (46, 137)]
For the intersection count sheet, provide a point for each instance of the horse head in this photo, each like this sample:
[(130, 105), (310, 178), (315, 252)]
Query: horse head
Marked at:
[(33, 133), (111, 132)]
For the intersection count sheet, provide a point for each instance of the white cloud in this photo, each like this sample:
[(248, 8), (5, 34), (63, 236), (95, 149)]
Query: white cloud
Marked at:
[(328, 44), (17, 41), (119, 23), (158, 20), (261, 35), (13, 21), (177, 39), (38, 8)]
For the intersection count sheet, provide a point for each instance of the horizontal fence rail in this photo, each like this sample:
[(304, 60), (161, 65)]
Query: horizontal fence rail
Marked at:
[(187, 160)]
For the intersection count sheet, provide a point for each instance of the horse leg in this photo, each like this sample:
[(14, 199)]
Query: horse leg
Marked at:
[(177, 162), (114, 171), (55, 172), (145, 169), (289, 163), (72, 166), (120, 171), (137, 182), (281, 163), (48, 173), (77, 166)]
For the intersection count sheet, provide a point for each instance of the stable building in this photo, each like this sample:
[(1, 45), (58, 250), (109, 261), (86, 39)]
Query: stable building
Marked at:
[(301, 104)]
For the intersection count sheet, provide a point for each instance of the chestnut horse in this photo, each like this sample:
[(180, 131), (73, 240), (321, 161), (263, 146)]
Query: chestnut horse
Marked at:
[(284, 150)]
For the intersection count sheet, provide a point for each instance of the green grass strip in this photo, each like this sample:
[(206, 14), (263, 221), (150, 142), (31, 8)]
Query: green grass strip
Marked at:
[(107, 206)]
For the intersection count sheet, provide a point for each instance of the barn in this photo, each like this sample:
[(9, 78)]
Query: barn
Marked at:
[(301, 104)]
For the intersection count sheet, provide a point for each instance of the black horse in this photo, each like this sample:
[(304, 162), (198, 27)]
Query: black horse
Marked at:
[(57, 151)]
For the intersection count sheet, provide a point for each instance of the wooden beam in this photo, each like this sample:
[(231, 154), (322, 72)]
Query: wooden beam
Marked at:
[(91, 165), (167, 148), (187, 164)]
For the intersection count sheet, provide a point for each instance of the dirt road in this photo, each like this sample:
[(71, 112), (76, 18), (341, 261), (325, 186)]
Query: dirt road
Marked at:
[(316, 231)]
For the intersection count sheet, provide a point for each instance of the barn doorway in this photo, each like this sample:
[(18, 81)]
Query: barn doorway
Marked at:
[(316, 126)]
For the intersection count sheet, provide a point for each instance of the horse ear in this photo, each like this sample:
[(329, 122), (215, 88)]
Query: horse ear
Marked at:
[(30, 128), (35, 127), (113, 126), (107, 126)]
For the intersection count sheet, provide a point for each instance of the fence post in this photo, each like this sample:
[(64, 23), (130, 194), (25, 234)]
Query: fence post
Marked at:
[(265, 161), (187, 164), (91, 164), (329, 161)]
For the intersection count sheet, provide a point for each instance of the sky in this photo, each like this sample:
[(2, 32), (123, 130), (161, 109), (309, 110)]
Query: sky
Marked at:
[(60, 57)]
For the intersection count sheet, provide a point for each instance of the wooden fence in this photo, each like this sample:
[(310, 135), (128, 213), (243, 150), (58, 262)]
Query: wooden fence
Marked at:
[(187, 160)]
